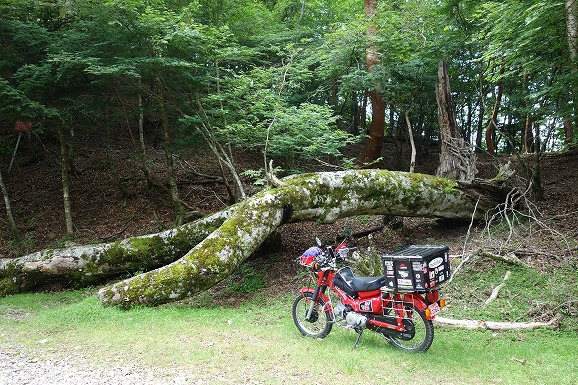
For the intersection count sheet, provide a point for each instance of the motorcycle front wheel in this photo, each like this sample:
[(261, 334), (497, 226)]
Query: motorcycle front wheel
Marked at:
[(319, 324), (420, 331)]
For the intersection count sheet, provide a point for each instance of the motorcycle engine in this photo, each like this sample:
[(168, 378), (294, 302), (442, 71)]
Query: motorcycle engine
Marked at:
[(355, 319), (352, 318), (340, 311)]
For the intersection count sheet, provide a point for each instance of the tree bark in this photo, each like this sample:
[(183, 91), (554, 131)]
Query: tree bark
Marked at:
[(323, 197), (457, 160), (372, 150), (143, 152), (85, 265)]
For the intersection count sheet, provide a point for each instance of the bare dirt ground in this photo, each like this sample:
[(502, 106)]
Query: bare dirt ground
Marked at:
[(103, 213)]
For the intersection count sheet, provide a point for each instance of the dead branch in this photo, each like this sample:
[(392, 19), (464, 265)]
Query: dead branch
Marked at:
[(554, 323), (521, 362), (272, 178), (466, 257), (509, 258), (496, 290)]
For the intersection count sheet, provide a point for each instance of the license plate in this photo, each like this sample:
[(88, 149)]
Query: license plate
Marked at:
[(434, 308)]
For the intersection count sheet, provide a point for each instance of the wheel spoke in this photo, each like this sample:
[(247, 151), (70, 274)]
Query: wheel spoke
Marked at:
[(319, 323), (422, 330)]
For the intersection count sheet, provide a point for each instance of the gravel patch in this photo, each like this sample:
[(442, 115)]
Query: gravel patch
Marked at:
[(19, 366)]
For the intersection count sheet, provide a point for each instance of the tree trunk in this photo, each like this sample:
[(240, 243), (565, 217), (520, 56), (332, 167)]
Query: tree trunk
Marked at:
[(410, 133), (322, 197), (177, 205), (9, 215), (372, 150), (492, 125), (572, 31), (85, 265), (457, 160), (554, 323), (143, 152), (65, 179), (527, 136), (446, 110)]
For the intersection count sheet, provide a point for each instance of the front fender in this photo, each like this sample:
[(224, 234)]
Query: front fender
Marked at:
[(321, 295)]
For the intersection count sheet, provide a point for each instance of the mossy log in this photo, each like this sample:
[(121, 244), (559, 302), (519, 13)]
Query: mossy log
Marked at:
[(82, 265), (322, 197)]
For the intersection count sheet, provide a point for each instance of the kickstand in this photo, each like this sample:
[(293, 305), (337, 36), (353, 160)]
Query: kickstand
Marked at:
[(359, 332)]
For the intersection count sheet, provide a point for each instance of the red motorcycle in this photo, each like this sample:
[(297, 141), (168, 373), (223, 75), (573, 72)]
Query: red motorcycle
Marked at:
[(399, 305)]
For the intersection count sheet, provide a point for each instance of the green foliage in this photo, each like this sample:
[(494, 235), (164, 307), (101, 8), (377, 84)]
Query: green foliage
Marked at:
[(253, 63), (247, 279)]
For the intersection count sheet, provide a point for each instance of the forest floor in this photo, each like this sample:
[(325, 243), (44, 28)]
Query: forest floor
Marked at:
[(110, 201)]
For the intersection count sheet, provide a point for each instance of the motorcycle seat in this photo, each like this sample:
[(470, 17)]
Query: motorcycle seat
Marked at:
[(354, 284), (367, 283)]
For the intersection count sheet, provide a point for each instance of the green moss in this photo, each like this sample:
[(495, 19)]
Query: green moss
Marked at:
[(9, 281), (8, 286)]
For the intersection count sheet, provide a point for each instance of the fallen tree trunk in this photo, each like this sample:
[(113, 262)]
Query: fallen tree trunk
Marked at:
[(554, 323), (88, 264), (323, 197)]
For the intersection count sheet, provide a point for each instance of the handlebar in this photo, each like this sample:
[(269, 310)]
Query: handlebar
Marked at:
[(324, 259)]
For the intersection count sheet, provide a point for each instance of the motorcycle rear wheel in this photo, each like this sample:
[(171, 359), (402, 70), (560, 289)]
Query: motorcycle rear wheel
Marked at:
[(320, 323), (422, 329)]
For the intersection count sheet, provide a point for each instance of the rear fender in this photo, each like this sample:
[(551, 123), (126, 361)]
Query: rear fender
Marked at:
[(418, 301)]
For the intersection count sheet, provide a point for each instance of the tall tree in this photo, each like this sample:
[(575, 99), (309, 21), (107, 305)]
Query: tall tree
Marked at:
[(572, 33), (8, 205), (372, 150), (492, 126), (457, 160)]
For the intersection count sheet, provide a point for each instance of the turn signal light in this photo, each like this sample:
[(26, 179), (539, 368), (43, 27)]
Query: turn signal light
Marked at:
[(427, 312), (442, 303)]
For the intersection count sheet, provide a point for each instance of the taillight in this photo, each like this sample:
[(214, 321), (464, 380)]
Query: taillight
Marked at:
[(432, 296)]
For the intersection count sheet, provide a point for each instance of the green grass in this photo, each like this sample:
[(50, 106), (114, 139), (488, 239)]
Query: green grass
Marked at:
[(527, 294), (258, 342)]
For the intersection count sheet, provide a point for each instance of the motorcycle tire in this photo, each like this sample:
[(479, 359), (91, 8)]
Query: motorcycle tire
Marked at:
[(418, 326), (320, 322)]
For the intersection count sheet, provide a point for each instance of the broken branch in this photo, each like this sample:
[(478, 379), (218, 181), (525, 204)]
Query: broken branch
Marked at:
[(496, 290)]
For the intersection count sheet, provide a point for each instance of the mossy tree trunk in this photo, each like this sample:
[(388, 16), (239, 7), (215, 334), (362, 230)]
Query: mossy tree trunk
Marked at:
[(78, 266), (322, 197), (214, 246)]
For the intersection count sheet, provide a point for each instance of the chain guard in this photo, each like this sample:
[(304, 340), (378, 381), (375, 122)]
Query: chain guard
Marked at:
[(407, 335)]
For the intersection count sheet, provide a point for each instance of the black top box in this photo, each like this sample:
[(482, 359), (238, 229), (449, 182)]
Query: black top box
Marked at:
[(416, 268)]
